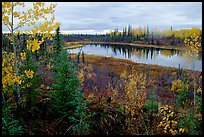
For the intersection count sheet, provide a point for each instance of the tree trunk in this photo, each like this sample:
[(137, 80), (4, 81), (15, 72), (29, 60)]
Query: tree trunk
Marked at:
[(15, 63), (194, 86), (83, 57)]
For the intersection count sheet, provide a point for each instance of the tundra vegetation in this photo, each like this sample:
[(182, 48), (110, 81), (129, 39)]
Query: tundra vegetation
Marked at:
[(47, 91)]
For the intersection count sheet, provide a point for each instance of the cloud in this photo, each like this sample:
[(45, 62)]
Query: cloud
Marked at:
[(111, 15), (100, 16)]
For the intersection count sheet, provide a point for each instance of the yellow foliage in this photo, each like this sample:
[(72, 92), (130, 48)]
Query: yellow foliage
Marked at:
[(23, 56), (24, 17), (9, 77), (91, 75), (16, 14), (57, 25), (166, 53), (182, 130), (81, 76), (193, 42), (29, 73), (167, 33), (199, 90), (135, 93), (178, 86), (123, 75), (33, 44), (168, 124), (87, 68), (29, 17)]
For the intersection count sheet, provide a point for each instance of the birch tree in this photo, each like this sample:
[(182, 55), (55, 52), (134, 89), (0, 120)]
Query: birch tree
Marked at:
[(39, 17)]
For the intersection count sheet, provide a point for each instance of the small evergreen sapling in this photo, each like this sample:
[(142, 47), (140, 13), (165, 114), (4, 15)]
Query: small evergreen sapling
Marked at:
[(68, 98)]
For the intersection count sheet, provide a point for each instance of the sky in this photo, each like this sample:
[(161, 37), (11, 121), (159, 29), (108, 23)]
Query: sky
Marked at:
[(101, 17)]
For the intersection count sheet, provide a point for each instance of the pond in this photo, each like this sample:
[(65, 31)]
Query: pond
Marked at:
[(147, 55)]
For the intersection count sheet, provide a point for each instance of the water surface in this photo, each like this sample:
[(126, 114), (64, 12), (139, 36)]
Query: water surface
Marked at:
[(147, 55)]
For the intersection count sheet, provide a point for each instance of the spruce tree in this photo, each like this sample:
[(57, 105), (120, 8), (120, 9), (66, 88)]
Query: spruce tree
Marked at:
[(68, 99), (58, 42)]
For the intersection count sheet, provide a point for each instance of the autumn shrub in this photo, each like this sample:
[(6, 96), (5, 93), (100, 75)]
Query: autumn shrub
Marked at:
[(179, 122), (149, 111), (135, 98), (188, 123), (151, 105), (180, 88), (108, 114), (199, 104), (107, 120), (10, 125), (67, 95), (198, 114), (168, 124), (151, 108)]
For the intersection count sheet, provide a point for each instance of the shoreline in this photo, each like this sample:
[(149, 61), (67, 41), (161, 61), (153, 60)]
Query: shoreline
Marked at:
[(132, 44), (70, 45), (129, 62)]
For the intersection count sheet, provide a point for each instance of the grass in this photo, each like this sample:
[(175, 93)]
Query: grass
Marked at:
[(72, 45)]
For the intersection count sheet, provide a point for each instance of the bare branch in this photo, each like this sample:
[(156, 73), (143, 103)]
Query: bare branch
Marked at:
[(8, 28), (18, 26), (69, 129)]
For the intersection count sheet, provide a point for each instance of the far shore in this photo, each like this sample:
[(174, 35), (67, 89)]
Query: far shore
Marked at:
[(71, 45), (78, 44)]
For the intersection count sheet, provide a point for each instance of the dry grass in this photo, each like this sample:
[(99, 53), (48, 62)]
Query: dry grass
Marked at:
[(72, 45)]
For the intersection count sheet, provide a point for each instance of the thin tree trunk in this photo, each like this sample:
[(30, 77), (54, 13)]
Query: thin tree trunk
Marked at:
[(29, 96), (15, 61), (194, 85), (83, 56), (3, 98)]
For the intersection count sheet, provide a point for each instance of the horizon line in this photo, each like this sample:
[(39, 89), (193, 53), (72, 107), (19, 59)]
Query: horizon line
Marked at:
[(92, 31)]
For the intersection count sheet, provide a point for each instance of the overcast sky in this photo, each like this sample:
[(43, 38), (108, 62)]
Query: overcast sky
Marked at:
[(96, 17)]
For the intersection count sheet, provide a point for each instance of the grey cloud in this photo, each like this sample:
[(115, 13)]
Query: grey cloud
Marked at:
[(111, 15)]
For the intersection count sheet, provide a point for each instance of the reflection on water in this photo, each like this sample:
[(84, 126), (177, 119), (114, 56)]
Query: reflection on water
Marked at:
[(148, 55)]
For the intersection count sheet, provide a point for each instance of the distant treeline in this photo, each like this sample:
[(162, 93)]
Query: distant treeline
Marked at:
[(21, 41), (138, 35), (128, 35)]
